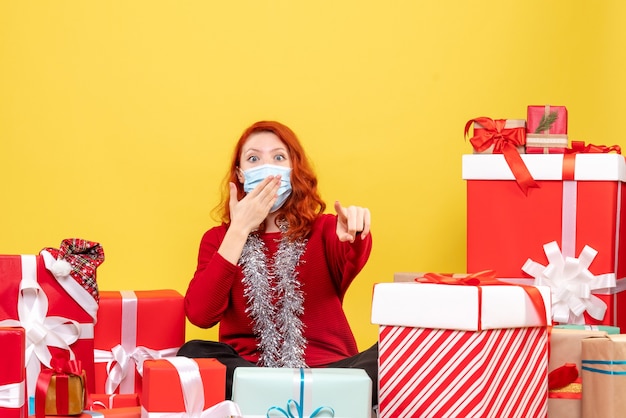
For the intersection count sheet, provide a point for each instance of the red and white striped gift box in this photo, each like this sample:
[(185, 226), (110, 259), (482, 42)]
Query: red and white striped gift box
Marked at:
[(461, 351)]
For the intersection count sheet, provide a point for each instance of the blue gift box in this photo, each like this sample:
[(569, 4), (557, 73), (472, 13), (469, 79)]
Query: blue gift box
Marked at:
[(302, 393)]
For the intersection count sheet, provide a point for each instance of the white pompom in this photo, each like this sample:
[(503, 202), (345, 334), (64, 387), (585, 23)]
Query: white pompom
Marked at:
[(61, 268)]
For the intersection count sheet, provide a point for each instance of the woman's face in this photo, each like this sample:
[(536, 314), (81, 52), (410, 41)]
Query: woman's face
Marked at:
[(263, 148)]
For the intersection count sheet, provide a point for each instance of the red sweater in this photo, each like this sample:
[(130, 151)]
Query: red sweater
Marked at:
[(327, 267)]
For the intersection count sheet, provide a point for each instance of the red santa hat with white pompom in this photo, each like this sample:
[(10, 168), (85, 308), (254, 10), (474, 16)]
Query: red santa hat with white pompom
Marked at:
[(74, 266)]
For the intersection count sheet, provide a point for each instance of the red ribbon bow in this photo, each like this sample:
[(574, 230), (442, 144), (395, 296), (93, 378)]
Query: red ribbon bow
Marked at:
[(486, 278), (504, 141), (562, 376), (579, 147)]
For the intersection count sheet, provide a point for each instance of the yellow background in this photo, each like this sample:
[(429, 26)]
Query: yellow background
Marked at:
[(117, 118)]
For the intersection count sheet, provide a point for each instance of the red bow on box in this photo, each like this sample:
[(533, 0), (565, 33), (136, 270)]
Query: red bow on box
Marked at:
[(63, 370), (504, 141), (579, 147), (562, 376)]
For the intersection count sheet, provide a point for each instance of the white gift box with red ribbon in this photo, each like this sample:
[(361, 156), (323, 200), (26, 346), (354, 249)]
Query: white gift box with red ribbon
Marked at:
[(461, 350)]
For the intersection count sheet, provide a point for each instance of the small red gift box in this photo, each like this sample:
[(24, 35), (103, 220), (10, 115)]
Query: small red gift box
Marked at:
[(12, 376), (31, 295), (100, 401), (491, 135), (165, 391), (134, 326), (126, 412), (546, 120), (461, 350), (61, 390), (577, 210)]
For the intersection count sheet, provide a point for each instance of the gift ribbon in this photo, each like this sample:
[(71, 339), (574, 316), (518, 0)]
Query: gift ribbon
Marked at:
[(124, 358), (487, 278), (42, 331), (608, 363), (571, 283), (12, 395), (193, 395), (580, 147), (303, 378), (504, 141), (61, 369), (562, 376)]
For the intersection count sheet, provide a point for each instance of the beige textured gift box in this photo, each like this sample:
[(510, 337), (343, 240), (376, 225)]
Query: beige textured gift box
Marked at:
[(566, 347), (604, 376)]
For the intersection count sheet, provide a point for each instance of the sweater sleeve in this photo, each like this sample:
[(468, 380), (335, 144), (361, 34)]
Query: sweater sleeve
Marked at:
[(208, 293), (345, 259)]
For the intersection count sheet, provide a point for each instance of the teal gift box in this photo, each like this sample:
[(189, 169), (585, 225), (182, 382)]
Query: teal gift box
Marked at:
[(606, 328), (302, 393)]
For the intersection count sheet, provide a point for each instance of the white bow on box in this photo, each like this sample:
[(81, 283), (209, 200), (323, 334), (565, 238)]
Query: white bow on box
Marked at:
[(571, 284)]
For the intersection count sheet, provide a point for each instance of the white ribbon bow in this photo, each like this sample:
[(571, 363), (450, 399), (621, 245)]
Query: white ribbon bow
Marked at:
[(12, 395), (121, 364), (41, 331), (571, 283), (193, 395)]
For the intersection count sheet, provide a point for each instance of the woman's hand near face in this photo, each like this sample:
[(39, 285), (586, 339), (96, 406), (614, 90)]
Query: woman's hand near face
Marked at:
[(249, 212), (352, 221), (246, 215)]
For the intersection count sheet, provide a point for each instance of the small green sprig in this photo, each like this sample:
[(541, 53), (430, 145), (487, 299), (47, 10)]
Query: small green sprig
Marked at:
[(546, 121)]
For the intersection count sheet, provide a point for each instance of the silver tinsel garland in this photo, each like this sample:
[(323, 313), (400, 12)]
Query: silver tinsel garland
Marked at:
[(275, 301)]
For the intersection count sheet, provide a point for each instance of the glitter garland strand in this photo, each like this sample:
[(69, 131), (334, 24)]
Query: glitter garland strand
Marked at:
[(278, 326)]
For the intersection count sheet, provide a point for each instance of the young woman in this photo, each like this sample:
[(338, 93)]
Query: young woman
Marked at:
[(275, 272)]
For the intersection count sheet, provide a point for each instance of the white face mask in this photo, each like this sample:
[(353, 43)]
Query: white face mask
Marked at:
[(254, 176)]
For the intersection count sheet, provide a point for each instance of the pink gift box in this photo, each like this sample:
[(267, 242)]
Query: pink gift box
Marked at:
[(580, 202), (12, 373), (64, 317), (134, 326), (536, 113), (447, 350)]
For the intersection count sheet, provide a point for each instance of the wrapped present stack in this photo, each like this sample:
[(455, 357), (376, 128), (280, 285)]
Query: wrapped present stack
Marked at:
[(72, 350), (53, 296), (560, 226), (557, 220), (543, 291)]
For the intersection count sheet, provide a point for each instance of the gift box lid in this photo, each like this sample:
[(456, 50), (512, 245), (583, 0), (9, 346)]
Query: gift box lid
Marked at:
[(592, 166), (466, 308)]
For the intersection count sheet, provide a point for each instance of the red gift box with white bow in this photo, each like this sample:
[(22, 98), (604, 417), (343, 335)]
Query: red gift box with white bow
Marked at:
[(12, 378), (569, 233), (185, 387), (57, 314), (134, 326)]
